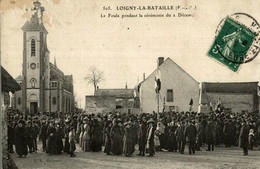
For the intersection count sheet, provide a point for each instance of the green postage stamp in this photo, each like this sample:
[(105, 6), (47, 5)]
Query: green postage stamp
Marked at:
[(232, 45)]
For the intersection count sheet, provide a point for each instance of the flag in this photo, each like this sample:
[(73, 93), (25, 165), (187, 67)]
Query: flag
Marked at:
[(191, 102), (157, 81)]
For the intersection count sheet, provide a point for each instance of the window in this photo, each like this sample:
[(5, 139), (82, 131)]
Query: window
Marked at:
[(19, 101), (54, 100), (33, 47), (169, 95), (54, 84), (33, 82)]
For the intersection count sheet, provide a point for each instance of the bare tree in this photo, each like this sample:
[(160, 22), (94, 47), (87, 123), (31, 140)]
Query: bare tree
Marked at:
[(94, 77)]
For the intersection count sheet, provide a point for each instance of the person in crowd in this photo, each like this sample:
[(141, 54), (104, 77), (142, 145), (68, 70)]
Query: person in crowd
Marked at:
[(180, 137), (210, 135), (228, 133), (150, 138), (161, 129), (59, 136), (142, 137), (172, 142), (190, 134), (66, 135), (251, 139), (128, 139), (86, 137), (116, 137), (199, 127), (108, 127), (72, 142), (243, 138), (35, 132), (43, 135), (20, 138), (11, 136), (29, 136), (97, 135), (51, 136)]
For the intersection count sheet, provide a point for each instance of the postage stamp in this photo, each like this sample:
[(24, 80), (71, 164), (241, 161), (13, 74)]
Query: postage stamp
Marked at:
[(235, 42)]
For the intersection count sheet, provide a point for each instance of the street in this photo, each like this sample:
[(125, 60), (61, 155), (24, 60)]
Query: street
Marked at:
[(220, 158)]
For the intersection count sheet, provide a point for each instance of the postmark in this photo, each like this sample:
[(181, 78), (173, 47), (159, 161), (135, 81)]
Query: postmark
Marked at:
[(237, 41)]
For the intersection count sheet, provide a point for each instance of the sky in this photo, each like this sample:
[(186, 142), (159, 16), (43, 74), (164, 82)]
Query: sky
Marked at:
[(125, 48)]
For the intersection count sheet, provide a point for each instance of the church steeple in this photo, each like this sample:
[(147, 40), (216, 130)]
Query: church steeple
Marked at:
[(36, 21)]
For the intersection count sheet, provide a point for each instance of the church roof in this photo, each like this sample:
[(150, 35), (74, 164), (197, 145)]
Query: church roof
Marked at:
[(123, 93), (233, 87), (34, 26)]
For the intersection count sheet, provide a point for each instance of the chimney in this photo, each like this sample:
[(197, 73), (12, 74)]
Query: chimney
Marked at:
[(160, 60), (143, 76), (126, 85)]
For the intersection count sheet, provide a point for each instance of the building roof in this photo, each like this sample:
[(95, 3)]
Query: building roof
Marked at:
[(170, 60), (8, 82), (127, 93), (233, 87), (68, 83)]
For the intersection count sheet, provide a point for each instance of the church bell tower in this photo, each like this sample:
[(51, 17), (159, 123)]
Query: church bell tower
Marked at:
[(35, 62)]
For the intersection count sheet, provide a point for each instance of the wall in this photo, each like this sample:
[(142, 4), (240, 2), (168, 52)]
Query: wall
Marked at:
[(99, 104), (236, 101), (172, 77)]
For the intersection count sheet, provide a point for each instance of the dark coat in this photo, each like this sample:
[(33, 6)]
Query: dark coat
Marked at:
[(172, 142), (243, 136), (190, 133), (51, 143), (211, 133), (20, 138), (129, 140), (43, 132), (179, 132), (142, 137), (116, 139)]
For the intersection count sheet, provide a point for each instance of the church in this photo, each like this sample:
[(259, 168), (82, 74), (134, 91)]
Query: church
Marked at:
[(44, 87)]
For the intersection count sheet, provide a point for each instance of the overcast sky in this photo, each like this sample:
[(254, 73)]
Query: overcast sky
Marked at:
[(124, 49)]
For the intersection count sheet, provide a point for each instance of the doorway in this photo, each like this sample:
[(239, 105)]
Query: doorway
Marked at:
[(33, 107)]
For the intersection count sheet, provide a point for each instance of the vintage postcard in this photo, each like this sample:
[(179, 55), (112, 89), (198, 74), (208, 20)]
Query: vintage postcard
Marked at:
[(130, 83)]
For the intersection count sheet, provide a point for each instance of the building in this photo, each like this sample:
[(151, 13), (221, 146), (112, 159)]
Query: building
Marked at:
[(179, 91), (45, 88), (8, 85), (231, 97), (111, 100)]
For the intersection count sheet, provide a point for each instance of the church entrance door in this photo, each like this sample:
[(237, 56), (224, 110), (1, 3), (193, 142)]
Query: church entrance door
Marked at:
[(33, 107)]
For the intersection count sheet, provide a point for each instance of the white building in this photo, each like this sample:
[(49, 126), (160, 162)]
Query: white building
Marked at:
[(179, 91)]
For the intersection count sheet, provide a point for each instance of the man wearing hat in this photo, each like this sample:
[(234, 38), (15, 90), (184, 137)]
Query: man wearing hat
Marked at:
[(142, 136), (190, 134), (243, 137), (150, 138), (43, 135), (20, 138), (29, 136)]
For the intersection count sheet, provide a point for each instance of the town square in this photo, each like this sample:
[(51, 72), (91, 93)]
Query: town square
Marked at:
[(94, 84)]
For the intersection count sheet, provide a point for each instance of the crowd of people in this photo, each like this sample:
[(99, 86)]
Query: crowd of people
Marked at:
[(120, 133)]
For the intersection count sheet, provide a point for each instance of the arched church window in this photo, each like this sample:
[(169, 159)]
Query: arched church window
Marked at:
[(33, 47), (33, 82)]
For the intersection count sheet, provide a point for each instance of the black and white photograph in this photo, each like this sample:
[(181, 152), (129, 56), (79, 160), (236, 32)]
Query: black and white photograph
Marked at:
[(115, 84)]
